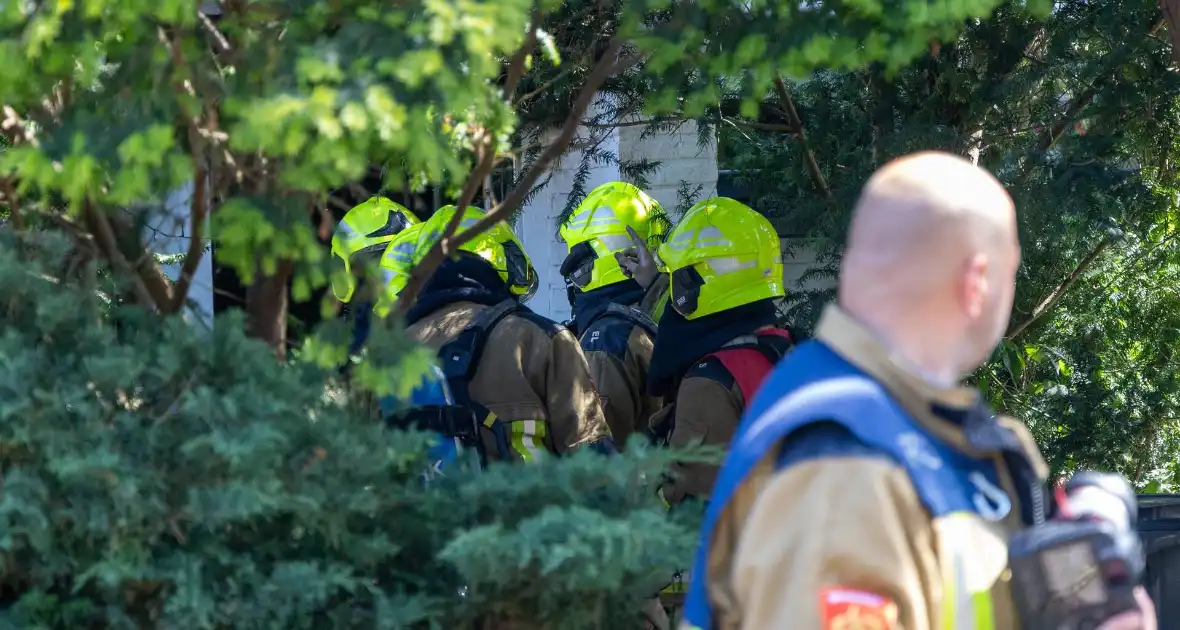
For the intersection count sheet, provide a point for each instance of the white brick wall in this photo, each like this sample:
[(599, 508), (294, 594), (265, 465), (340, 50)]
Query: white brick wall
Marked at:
[(798, 257), (680, 157)]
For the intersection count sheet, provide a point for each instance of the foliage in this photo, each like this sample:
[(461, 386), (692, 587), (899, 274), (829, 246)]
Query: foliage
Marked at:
[(1078, 115), (266, 106), (156, 477)]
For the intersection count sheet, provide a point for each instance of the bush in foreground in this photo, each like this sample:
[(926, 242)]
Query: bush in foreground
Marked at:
[(156, 475)]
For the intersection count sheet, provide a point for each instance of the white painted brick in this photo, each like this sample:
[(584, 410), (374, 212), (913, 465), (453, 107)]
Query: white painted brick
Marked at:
[(797, 262)]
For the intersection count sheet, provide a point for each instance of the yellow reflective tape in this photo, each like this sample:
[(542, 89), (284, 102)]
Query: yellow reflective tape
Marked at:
[(963, 607), (490, 420), (950, 595), (679, 584), (984, 610), (528, 438)]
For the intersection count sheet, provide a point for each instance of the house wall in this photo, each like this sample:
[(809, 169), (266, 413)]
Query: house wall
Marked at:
[(798, 256), (681, 159)]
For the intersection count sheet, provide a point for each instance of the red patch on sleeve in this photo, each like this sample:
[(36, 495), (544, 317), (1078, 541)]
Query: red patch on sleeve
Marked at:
[(843, 608)]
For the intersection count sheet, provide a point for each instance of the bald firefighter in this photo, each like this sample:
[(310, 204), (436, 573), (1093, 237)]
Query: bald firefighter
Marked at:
[(865, 487)]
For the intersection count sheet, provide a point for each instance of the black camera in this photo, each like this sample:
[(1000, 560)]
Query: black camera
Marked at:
[(1080, 569)]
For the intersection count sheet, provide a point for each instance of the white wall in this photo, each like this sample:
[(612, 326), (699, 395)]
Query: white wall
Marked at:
[(798, 256), (168, 233), (680, 160)]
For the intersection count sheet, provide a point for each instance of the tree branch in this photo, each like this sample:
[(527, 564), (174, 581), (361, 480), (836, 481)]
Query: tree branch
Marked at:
[(13, 201), (607, 65), (198, 207), (1059, 291), (750, 124), (601, 72), (486, 151), (817, 176), (104, 236)]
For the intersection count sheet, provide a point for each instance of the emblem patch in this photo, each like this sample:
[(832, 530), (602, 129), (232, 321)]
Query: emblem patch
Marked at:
[(843, 608)]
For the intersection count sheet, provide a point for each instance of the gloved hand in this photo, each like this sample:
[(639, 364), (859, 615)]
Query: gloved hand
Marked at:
[(637, 262), (1142, 619)]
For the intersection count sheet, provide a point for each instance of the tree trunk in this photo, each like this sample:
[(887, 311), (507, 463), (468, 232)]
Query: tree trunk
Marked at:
[(884, 95), (267, 300), (1171, 9)]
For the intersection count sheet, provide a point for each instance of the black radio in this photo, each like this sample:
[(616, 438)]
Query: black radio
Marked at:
[(1080, 569)]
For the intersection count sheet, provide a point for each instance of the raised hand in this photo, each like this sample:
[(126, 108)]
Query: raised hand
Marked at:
[(637, 261)]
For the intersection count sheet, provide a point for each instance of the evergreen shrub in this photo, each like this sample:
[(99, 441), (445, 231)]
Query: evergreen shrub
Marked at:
[(158, 475)]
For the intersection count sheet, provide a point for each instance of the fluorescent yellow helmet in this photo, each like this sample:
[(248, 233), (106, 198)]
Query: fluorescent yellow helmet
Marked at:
[(361, 236), (598, 229), (721, 255), (498, 246), (396, 264)]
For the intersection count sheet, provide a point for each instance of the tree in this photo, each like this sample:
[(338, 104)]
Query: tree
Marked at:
[(1077, 114), (266, 106), (159, 475)]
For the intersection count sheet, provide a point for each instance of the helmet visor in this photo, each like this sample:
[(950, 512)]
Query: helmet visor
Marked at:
[(661, 266), (529, 290), (522, 280), (686, 290), (578, 266)]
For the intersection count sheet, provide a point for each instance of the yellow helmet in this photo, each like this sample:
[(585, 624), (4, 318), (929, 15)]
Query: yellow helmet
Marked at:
[(396, 264), (721, 255), (498, 246), (362, 235), (598, 229)]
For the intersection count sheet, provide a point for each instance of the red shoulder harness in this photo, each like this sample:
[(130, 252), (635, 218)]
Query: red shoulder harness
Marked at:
[(750, 363)]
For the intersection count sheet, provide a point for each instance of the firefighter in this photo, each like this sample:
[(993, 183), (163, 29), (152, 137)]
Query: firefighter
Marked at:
[(360, 240), (717, 338), (616, 336), (866, 488), (395, 268), (525, 374)]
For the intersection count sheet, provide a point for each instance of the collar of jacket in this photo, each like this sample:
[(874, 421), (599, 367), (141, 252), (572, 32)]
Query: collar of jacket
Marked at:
[(589, 305), (657, 291), (947, 412), (466, 278)]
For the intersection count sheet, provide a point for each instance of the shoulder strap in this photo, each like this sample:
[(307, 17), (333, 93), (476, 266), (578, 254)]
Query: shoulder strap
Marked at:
[(750, 359), (748, 366), (629, 313), (459, 358), (633, 315)]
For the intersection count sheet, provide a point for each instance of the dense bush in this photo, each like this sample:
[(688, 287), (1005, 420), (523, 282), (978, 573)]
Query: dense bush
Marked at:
[(159, 476)]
